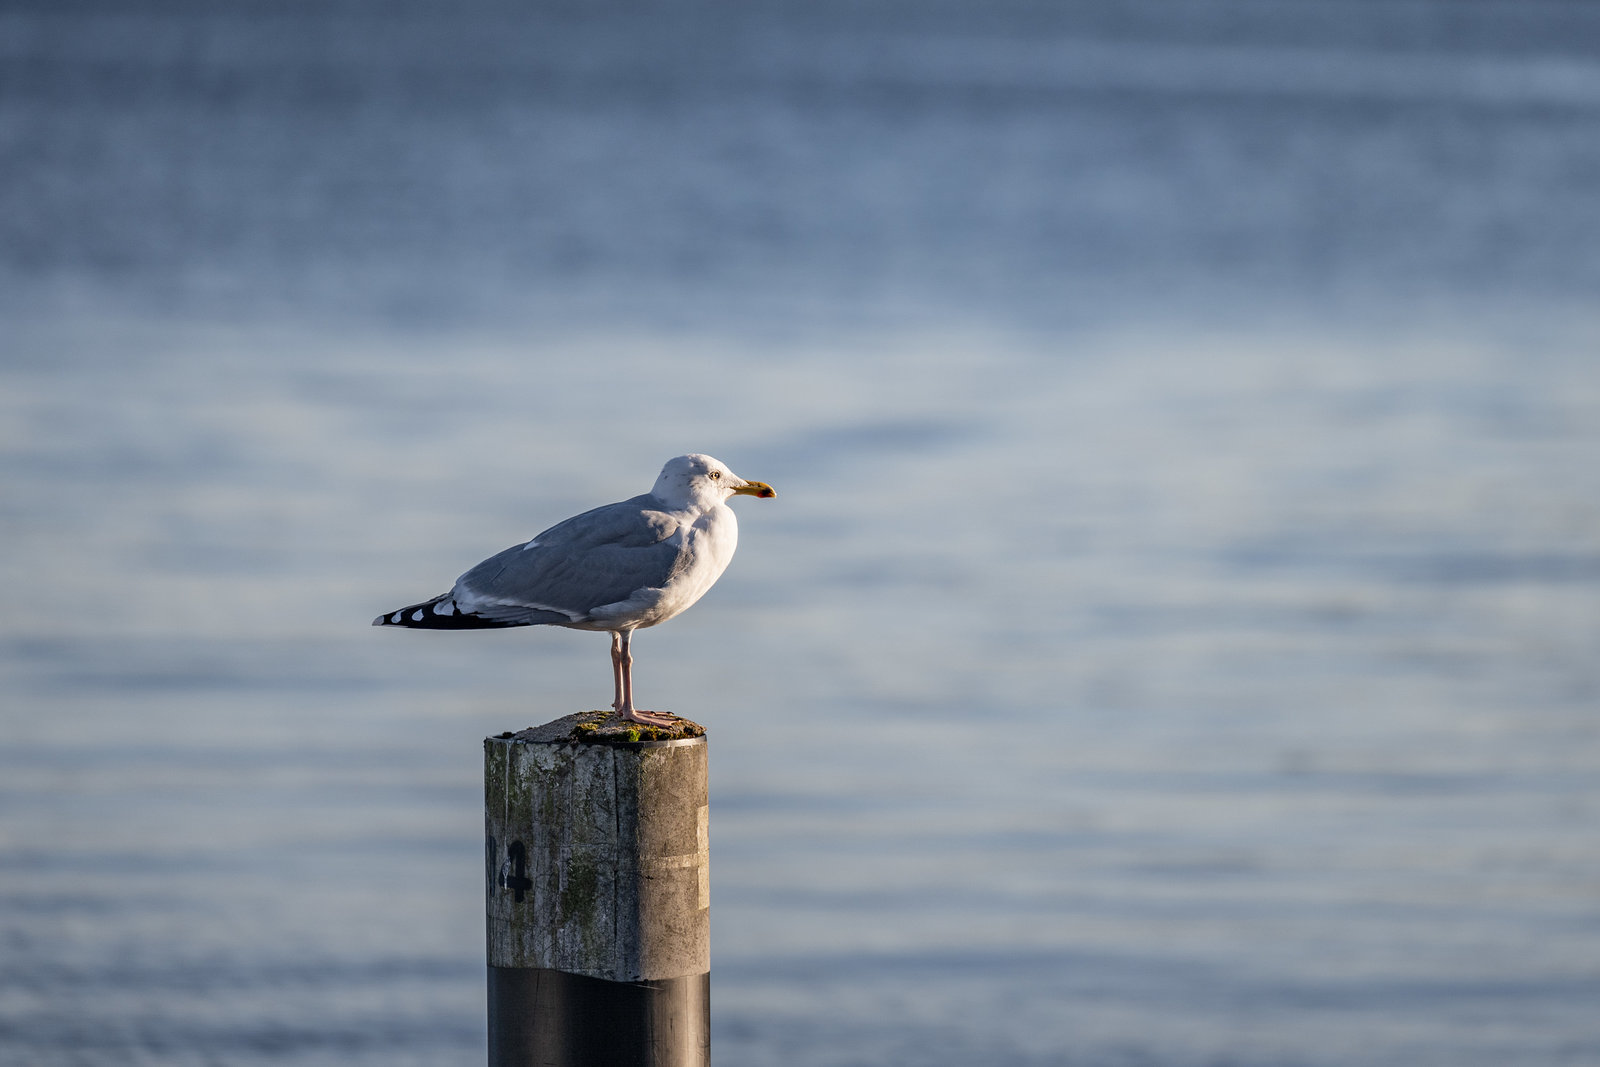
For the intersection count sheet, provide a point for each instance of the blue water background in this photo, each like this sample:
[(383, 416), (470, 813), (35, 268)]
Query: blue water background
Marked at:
[(1176, 640)]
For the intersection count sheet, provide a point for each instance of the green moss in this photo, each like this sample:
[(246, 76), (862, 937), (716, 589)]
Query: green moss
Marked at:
[(605, 727), (579, 889)]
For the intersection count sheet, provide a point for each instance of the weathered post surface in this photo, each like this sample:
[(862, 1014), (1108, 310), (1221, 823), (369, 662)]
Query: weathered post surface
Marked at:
[(598, 897)]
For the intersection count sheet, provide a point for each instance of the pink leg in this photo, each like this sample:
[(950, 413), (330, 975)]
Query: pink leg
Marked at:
[(624, 661), (616, 670)]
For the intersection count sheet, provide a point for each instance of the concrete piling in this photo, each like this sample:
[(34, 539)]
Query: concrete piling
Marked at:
[(597, 893)]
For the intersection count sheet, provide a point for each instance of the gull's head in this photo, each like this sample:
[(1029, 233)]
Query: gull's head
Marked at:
[(702, 481)]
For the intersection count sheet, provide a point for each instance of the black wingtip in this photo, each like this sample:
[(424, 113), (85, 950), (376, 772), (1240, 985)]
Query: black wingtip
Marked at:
[(427, 616)]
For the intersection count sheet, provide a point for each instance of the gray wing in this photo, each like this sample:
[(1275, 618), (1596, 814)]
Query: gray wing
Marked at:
[(596, 558)]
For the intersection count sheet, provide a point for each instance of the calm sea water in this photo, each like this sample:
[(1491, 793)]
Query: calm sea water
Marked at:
[(1176, 640)]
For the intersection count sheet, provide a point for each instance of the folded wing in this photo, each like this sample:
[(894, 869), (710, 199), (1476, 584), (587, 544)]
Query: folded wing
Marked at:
[(591, 560)]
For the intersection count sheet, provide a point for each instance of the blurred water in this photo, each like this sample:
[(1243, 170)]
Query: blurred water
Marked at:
[(1174, 639)]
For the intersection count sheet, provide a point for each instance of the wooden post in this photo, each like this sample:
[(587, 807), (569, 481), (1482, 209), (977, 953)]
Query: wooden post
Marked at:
[(598, 886)]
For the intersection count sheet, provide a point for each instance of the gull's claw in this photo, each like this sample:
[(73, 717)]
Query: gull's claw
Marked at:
[(647, 718)]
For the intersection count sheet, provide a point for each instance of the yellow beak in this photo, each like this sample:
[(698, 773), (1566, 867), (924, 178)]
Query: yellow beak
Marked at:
[(761, 489)]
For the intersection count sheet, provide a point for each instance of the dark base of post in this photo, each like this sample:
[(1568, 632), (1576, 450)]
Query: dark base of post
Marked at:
[(540, 1017)]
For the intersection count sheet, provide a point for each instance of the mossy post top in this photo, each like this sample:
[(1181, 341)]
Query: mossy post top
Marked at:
[(606, 728), (597, 851)]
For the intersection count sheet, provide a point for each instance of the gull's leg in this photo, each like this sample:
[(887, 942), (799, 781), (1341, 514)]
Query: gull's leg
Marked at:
[(625, 670), (616, 670)]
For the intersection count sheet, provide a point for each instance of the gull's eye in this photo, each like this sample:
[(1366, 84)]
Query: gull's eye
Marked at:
[(714, 475)]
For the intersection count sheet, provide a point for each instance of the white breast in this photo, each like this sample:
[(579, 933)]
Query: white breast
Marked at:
[(711, 541)]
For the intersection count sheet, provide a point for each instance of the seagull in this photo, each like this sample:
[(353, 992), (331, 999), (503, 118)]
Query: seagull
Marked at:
[(617, 568)]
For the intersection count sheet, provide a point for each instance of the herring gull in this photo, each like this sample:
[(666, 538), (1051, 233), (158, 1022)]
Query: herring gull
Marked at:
[(616, 568)]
